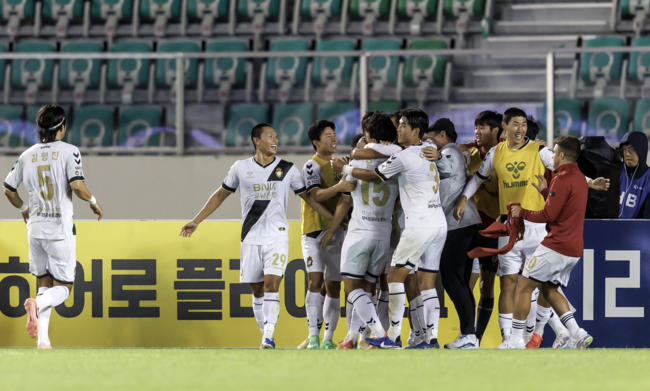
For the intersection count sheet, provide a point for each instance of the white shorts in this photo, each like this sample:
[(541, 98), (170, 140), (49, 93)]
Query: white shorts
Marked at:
[(364, 258), (258, 261), (416, 242), (476, 267), (513, 261), (56, 258), (326, 261), (547, 265)]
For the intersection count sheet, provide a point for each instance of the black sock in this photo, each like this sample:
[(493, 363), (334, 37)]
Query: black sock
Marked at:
[(485, 307)]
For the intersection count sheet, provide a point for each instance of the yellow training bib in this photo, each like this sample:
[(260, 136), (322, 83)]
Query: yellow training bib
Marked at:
[(487, 196), (311, 220)]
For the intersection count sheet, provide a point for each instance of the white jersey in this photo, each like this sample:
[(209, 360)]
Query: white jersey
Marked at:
[(48, 169), (373, 202), (264, 193), (419, 185)]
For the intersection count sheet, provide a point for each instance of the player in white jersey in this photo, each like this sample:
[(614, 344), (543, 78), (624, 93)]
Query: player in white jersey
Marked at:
[(426, 226), (51, 171), (264, 182)]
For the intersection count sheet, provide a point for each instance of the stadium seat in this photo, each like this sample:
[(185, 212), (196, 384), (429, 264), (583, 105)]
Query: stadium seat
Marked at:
[(601, 68), (463, 11), (207, 11), (639, 69), (417, 11), (568, 118), (242, 119), (287, 72), (166, 69), (112, 11), (320, 12), (93, 126), (3, 64), (382, 70), (642, 116), (345, 117), (30, 136), (609, 117), (425, 71), (32, 74), (259, 12), (388, 107), (14, 12), (140, 126), (226, 73), (370, 11), (80, 74), (639, 9), (129, 73), (62, 12), (11, 126), (160, 11), (332, 72), (291, 122)]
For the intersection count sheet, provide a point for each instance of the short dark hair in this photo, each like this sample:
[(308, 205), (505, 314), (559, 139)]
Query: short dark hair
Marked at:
[(317, 128), (258, 130), (490, 118), (533, 128), (512, 113), (397, 113), (49, 119), (570, 146), (380, 127), (417, 118), (444, 125), (365, 119), (355, 140)]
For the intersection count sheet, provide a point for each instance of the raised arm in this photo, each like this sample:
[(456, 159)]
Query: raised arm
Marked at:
[(317, 206)]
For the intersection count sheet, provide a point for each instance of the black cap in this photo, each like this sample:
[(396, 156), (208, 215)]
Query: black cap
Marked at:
[(446, 125)]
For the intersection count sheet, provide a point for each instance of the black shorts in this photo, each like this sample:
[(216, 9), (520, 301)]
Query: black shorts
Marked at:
[(490, 263)]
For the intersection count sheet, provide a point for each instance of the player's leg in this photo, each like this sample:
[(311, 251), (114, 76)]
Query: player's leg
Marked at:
[(383, 297), (38, 267), (532, 316), (44, 283), (525, 288), (415, 299), (489, 266), (315, 267), (251, 271), (257, 289), (509, 268), (363, 315), (476, 273), (428, 266), (333, 278), (542, 316), (275, 256)]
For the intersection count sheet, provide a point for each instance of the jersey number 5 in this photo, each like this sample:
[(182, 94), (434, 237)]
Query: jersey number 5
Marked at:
[(45, 180), (433, 168), (377, 187)]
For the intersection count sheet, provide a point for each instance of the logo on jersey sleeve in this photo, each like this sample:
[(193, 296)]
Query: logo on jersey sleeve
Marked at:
[(278, 172), (310, 261), (516, 168)]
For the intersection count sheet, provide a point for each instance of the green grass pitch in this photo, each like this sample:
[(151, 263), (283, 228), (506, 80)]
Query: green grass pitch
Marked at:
[(249, 369)]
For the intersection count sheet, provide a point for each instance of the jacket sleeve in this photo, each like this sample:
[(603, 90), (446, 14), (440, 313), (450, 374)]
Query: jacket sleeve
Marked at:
[(557, 197)]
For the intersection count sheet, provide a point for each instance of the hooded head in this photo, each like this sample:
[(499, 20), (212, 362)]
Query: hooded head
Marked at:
[(639, 142)]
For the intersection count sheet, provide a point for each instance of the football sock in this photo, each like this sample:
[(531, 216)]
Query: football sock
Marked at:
[(311, 305), (431, 313), (396, 304), (357, 325), (517, 329), (331, 312), (543, 314), (364, 308), (505, 324), (43, 321), (321, 311), (556, 324), (258, 302), (52, 297), (415, 318), (271, 309), (532, 314), (348, 314), (419, 302), (570, 324), (382, 309), (485, 307)]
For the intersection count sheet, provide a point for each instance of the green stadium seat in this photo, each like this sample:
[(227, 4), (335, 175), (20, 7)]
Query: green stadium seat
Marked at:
[(15, 11), (454, 8), (320, 12), (345, 117), (332, 72), (291, 122), (140, 127), (3, 64), (62, 11), (34, 73), (639, 69), (226, 73), (207, 11), (113, 12), (31, 130), (417, 12), (129, 73), (241, 122), (160, 11), (639, 9), (425, 71), (609, 117), (285, 72), (258, 12), (11, 126), (387, 107), (568, 118), (602, 67), (93, 126), (382, 70), (370, 11), (642, 116), (81, 73), (166, 68)]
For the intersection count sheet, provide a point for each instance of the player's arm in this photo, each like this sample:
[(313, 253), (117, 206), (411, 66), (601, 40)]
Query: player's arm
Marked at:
[(17, 202), (216, 199), (546, 155), (342, 208), (557, 197), (339, 165), (321, 195), (80, 190), (367, 154), (75, 173), (317, 206), (473, 184), (14, 179)]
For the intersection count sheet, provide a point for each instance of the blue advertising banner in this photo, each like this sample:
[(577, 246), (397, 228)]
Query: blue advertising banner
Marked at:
[(610, 286)]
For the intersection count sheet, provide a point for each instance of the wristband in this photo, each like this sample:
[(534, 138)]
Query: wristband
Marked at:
[(347, 169), (92, 201), (23, 208)]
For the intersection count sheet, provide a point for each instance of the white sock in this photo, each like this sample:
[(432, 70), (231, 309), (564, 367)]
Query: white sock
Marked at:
[(258, 303), (271, 309), (570, 324), (382, 310), (357, 325), (415, 319), (543, 314), (364, 308), (532, 314), (431, 313), (52, 297), (518, 329), (396, 305), (348, 314), (311, 305), (43, 321), (321, 311), (556, 324), (420, 309), (331, 314), (505, 324)]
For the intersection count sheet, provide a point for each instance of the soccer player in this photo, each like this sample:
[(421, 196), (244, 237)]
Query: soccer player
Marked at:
[(552, 262), (426, 227), (51, 171), (323, 266), (264, 182), (635, 177)]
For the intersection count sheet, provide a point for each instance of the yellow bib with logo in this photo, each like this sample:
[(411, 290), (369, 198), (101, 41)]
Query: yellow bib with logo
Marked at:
[(311, 220), (516, 171), (487, 195)]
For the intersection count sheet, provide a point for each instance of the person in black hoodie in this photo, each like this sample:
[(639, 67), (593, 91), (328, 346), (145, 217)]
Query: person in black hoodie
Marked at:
[(635, 177)]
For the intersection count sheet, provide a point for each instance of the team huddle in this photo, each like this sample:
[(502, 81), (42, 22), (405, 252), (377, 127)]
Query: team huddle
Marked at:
[(408, 203)]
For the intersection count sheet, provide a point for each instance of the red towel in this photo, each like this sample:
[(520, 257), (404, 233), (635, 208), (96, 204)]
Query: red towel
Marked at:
[(514, 228)]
